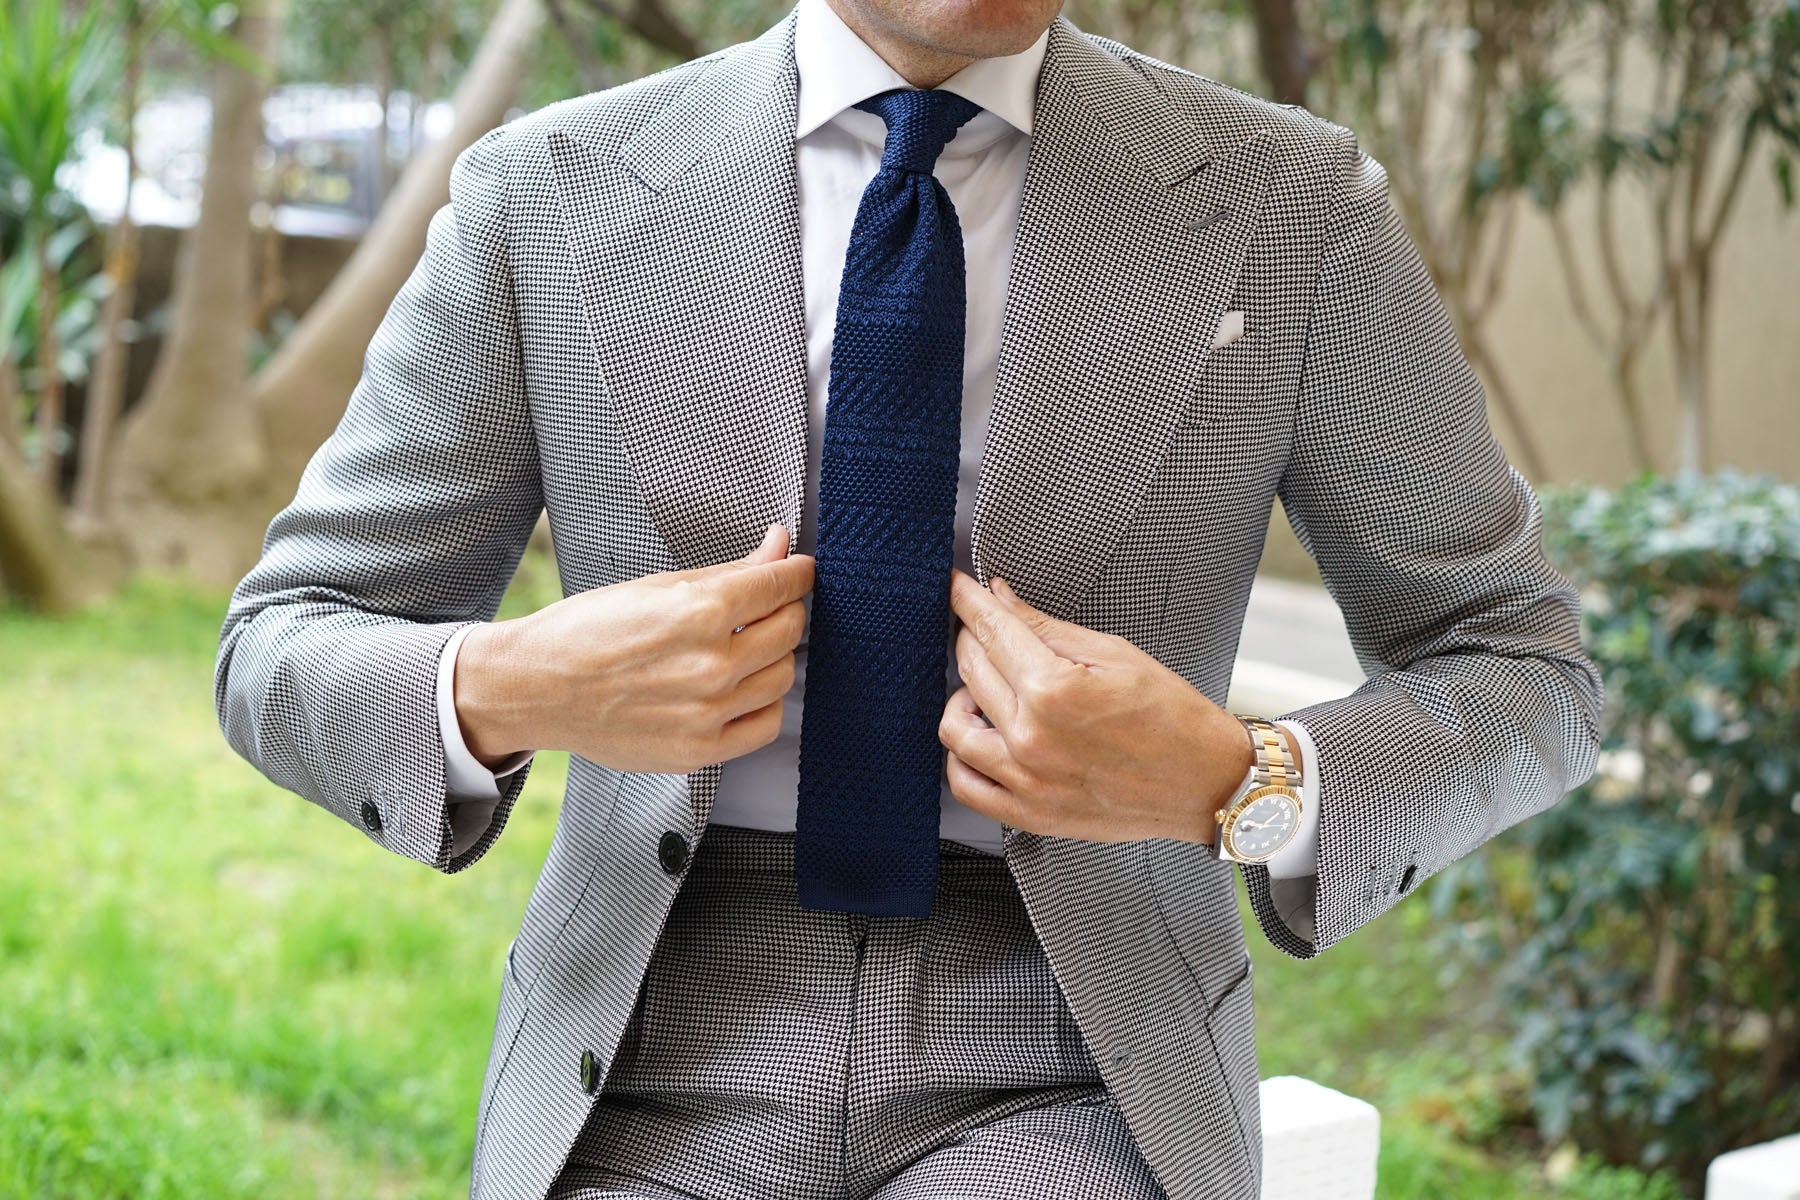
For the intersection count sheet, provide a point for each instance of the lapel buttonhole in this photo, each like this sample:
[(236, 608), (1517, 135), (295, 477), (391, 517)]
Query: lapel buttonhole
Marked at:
[(1211, 219)]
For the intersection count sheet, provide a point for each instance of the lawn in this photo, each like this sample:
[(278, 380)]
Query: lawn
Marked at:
[(209, 988)]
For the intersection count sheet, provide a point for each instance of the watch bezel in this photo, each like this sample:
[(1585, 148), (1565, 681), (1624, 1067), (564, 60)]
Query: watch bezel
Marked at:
[(1229, 824)]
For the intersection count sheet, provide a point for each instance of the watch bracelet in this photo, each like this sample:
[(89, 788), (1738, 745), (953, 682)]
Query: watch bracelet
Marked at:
[(1274, 763), (1273, 766)]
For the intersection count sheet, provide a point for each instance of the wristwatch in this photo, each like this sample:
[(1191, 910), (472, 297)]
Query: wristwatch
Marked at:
[(1264, 814)]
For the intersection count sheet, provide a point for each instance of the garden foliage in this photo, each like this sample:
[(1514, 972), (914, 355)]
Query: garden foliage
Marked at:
[(1647, 938)]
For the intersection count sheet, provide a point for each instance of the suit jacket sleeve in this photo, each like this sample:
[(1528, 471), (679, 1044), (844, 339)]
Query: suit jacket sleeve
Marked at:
[(1481, 707), (407, 525)]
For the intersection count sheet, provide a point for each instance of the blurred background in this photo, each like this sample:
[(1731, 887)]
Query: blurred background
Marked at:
[(208, 989)]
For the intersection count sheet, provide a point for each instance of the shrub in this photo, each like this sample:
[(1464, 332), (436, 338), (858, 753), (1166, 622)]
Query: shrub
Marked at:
[(1646, 931)]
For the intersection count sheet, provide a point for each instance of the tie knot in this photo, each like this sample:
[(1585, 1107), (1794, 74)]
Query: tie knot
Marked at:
[(920, 123)]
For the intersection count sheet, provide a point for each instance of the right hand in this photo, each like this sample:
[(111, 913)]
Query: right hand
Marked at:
[(645, 675)]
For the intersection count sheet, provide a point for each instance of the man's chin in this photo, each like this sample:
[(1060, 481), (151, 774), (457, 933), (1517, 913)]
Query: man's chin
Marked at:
[(965, 28)]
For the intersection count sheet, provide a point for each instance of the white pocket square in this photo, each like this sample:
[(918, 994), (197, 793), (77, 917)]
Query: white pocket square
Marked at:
[(1231, 328)]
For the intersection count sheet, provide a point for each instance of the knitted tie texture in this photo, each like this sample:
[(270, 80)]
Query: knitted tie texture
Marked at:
[(871, 765)]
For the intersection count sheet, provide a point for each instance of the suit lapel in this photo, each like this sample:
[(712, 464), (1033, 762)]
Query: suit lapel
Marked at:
[(686, 242), (686, 245), (1131, 234)]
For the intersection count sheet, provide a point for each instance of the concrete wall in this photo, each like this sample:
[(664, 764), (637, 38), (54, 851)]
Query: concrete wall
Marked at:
[(1561, 379)]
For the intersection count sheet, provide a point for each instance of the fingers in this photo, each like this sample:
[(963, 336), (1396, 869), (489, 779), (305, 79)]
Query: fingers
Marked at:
[(971, 739), (749, 588), (755, 592), (980, 793), (761, 687), (752, 731), (1013, 647), (993, 695), (766, 639)]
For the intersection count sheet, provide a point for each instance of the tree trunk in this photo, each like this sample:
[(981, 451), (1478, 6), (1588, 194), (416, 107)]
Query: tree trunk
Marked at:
[(50, 383), (1281, 47), (1690, 438), (1692, 346), (385, 75), (302, 391), (191, 449), (106, 388), (40, 564), (654, 23), (1525, 446), (12, 395)]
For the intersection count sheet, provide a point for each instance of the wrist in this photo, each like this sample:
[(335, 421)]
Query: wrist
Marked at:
[(1263, 811), (491, 709), (1245, 739), (1241, 753)]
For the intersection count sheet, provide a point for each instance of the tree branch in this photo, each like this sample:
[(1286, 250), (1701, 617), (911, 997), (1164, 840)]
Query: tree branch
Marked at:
[(650, 21)]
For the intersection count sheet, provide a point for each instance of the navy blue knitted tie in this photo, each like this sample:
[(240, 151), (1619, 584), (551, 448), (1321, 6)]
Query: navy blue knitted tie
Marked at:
[(871, 765)]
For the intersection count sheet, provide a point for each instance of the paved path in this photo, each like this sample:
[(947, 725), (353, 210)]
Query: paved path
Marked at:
[(1294, 650)]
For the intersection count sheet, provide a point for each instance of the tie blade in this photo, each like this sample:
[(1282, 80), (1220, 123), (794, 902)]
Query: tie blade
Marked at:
[(871, 766), (887, 872)]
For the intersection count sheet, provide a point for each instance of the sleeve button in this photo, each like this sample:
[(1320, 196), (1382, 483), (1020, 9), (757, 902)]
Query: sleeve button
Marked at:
[(371, 816)]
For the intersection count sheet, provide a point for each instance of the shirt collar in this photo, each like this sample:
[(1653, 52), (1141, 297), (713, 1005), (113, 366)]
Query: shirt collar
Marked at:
[(838, 70)]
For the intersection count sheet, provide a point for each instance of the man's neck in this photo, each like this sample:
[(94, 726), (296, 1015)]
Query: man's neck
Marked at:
[(920, 65)]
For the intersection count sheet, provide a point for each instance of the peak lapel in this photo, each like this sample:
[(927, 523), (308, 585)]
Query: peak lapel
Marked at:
[(1131, 235), (686, 242)]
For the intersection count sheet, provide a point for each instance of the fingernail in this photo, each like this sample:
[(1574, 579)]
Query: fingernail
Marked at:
[(1001, 586)]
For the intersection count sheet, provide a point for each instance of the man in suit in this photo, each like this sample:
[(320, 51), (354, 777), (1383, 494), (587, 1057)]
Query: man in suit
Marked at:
[(1128, 308)]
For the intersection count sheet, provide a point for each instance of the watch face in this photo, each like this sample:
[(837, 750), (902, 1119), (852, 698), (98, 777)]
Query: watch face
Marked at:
[(1264, 825)]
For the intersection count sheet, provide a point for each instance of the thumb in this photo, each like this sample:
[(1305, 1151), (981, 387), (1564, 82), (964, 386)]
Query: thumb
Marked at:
[(1068, 639), (772, 548)]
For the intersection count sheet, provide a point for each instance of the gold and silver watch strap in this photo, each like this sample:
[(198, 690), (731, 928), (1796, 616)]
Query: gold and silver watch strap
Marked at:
[(1273, 765), (1272, 773)]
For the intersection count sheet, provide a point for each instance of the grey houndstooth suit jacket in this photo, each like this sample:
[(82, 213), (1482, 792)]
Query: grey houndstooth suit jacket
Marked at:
[(607, 324)]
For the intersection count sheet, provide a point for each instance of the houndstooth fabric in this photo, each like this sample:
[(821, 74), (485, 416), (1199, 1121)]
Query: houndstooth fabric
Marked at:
[(607, 324), (871, 765), (810, 1054)]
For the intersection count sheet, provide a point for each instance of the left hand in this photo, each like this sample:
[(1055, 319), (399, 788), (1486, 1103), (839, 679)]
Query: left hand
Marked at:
[(1085, 736)]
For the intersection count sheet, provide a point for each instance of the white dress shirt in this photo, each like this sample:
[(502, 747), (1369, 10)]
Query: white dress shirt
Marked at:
[(838, 152)]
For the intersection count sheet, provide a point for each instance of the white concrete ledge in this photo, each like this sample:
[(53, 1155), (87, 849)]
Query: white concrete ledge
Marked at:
[(1770, 1171), (1318, 1144)]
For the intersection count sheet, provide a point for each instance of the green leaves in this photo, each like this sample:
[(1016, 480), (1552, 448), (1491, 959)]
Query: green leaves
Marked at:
[(1543, 141), (49, 71), (1652, 961)]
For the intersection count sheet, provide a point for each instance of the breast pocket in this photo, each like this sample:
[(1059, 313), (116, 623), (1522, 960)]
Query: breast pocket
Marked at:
[(1231, 379)]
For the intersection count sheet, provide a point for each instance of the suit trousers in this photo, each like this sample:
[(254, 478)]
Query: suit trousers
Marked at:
[(804, 1054)]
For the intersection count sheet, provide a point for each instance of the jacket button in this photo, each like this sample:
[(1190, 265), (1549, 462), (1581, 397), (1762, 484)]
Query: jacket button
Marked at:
[(672, 850), (371, 816), (590, 1072)]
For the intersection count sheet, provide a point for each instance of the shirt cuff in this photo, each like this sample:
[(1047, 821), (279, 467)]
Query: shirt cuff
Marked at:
[(464, 776), (1300, 857)]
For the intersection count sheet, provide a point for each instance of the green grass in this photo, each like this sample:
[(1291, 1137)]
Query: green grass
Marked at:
[(209, 988)]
